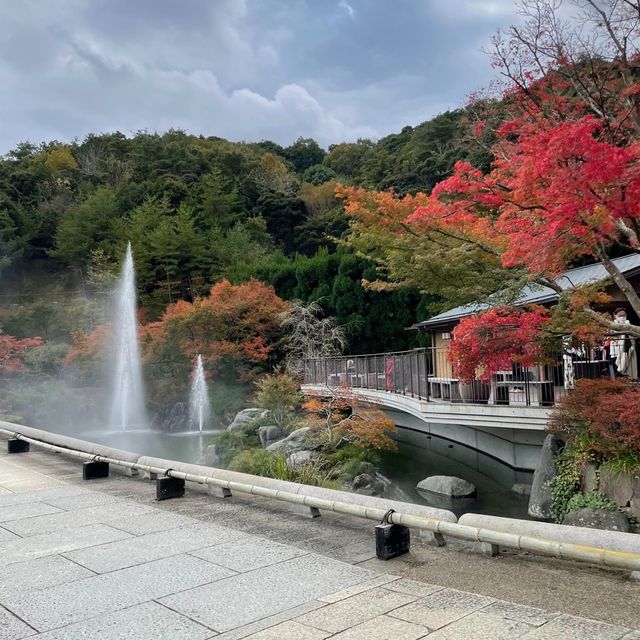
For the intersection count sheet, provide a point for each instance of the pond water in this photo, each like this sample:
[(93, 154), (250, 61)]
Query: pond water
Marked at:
[(435, 456), (417, 457)]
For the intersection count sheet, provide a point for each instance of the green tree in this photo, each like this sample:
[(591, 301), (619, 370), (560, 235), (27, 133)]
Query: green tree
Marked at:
[(318, 174), (86, 227), (304, 153)]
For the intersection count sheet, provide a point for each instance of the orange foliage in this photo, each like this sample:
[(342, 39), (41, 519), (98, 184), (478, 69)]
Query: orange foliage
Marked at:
[(11, 351), (344, 416), (234, 328), (88, 346)]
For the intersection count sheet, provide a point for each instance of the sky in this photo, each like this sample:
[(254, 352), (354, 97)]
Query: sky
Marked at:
[(333, 70)]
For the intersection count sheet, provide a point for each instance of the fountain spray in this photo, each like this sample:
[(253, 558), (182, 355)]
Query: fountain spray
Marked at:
[(127, 408)]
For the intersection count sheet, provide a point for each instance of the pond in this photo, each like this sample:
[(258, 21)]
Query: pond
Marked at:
[(417, 457), (420, 455)]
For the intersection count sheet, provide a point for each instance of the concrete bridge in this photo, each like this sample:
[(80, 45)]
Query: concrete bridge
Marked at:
[(513, 435)]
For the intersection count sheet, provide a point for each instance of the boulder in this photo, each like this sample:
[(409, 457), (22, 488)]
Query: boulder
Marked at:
[(210, 457), (618, 487), (245, 417), (299, 458), (589, 478), (448, 486), (598, 519), (298, 439), (269, 434), (368, 468), (172, 418), (635, 508), (369, 485), (521, 489), (540, 500)]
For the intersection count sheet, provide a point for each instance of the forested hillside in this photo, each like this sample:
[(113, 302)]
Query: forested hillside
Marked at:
[(198, 210)]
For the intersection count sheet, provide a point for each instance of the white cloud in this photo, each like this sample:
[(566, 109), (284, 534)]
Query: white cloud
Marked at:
[(343, 4)]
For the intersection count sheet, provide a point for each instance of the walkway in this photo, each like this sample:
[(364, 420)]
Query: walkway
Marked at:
[(110, 562)]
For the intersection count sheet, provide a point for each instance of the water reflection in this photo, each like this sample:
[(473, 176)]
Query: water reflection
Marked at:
[(420, 456)]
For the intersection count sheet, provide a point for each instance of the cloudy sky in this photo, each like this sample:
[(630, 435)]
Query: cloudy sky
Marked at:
[(333, 70)]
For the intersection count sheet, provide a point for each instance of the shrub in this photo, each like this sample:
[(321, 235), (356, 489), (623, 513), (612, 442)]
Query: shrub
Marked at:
[(260, 462), (279, 394), (565, 484), (607, 410), (228, 445), (593, 500), (257, 462)]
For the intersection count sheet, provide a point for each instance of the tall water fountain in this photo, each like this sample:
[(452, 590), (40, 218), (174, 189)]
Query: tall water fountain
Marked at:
[(199, 408), (127, 408)]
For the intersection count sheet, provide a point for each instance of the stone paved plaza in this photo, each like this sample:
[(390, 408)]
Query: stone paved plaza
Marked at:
[(102, 559)]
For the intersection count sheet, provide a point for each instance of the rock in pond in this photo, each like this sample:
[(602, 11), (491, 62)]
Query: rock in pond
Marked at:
[(209, 457), (598, 519), (540, 500), (521, 489), (368, 485), (448, 486)]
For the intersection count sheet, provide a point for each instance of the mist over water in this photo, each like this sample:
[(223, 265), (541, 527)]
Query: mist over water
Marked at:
[(127, 407), (199, 408)]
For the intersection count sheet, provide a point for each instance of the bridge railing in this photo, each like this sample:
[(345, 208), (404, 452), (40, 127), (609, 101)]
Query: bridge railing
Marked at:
[(427, 374)]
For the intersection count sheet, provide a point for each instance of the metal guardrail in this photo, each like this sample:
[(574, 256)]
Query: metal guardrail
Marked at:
[(563, 550), (427, 374)]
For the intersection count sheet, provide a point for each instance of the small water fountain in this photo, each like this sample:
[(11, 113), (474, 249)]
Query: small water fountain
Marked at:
[(199, 409), (127, 408)]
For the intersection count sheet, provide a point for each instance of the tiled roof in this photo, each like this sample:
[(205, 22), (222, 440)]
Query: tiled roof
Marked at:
[(533, 293)]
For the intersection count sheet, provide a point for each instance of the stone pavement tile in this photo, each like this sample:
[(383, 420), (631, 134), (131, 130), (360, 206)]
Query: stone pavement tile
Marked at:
[(634, 635), (383, 579), (16, 478), (441, 608), (24, 577), (355, 610), (290, 630), (248, 597), (520, 612), (61, 519), (152, 546), (383, 628), (39, 496), (5, 534), (413, 587), (21, 549), (154, 520), (271, 621), (148, 621), (482, 626), (82, 500), (571, 628), (29, 510), (75, 601), (354, 553), (13, 629), (248, 554)]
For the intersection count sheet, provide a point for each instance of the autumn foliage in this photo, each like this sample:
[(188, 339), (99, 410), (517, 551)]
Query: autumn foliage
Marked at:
[(12, 351), (606, 410), (488, 342), (342, 416), (235, 329)]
